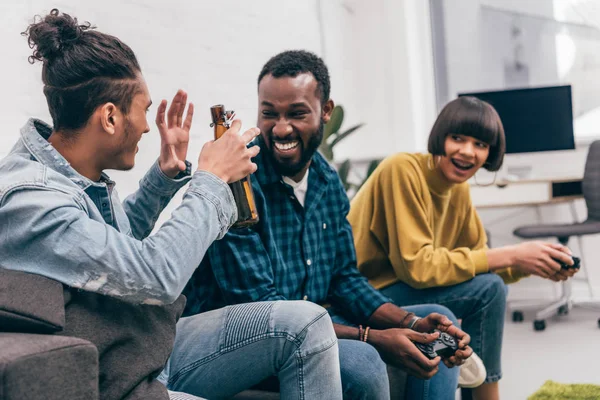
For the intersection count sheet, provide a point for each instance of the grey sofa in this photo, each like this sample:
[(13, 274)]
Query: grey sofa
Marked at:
[(36, 363)]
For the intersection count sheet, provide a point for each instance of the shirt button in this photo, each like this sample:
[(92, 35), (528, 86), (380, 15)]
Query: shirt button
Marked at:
[(305, 298), (104, 204), (308, 262), (292, 197), (324, 226)]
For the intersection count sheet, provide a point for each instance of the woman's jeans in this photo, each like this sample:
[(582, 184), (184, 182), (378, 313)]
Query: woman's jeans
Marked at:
[(222, 352), (479, 302), (364, 374)]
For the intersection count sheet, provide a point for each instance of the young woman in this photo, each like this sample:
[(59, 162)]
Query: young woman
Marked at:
[(419, 239)]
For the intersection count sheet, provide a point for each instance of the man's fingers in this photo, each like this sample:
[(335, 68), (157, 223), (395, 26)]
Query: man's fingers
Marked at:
[(421, 337), (187, 124), (181, 109), (464, 353), (174, 109), (462, 337), (235, 127), (253, 151), (160, 116), (421, 360), (416, 370), (440, 319), (250, 134)]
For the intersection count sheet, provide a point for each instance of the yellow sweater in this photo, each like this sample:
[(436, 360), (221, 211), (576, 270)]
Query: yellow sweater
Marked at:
[(412, 225)]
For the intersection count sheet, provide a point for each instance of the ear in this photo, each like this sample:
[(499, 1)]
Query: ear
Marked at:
[(327, 110), (110, 118)]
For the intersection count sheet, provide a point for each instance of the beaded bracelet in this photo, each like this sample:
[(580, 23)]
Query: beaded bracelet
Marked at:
[(366, 334)]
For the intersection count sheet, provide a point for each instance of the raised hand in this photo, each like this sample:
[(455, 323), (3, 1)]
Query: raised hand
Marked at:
[(174, 134), (228, 157)]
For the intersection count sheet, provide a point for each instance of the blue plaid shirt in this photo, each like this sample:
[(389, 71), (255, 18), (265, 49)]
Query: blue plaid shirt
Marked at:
[(293, 253)]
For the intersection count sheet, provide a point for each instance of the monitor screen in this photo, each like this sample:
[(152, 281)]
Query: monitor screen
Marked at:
[(536, 119)]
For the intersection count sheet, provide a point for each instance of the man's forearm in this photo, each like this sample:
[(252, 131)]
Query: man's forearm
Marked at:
[(345, 331), (144, 206), (388, 316)]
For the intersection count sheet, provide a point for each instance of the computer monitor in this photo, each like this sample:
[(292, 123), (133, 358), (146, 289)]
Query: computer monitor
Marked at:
[(534, 119)]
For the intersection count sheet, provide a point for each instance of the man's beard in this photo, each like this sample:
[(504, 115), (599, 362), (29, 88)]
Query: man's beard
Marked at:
[(307, 154), (125, 147)]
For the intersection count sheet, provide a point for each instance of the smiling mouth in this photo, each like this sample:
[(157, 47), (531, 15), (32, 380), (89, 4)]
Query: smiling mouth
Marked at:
[(462, 165), (287, 146)]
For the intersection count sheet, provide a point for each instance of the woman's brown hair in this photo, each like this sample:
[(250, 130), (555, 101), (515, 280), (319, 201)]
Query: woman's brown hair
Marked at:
[(472, 117)]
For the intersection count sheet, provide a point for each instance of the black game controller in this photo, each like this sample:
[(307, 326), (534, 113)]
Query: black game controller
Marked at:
[(444, 346), (576, 263)]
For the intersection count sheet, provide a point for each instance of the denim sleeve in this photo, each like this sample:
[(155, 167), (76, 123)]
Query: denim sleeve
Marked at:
[(57, 239), (350, 291), (145, 205), (242, 268)]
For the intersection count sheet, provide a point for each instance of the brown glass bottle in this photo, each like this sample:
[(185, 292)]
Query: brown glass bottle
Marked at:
[(242, 189)]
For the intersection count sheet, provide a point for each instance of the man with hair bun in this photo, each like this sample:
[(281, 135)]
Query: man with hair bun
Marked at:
[(62, 219)]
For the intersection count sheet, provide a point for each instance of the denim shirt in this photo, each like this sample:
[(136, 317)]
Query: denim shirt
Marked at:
[(57, 223)]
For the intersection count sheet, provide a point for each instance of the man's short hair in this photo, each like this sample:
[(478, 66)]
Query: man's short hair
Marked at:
[(472, 117), (294, 62)]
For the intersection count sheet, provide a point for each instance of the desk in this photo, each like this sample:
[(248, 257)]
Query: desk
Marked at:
[(527, 192)]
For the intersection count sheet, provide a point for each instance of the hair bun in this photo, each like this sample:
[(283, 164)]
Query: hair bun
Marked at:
[(52, 34)]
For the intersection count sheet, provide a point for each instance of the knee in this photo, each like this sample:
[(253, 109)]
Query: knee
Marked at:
[(308, 324), (493, 288), (364, 374)]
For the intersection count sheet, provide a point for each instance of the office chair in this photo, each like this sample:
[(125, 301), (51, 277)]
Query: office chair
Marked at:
[(591, 194)]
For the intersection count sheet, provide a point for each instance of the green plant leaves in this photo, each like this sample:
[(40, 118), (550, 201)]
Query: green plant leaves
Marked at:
[(340, 136)]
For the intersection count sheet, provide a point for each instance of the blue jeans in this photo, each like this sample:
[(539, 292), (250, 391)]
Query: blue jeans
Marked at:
[(222, 352), (479, 302), (364, 374)]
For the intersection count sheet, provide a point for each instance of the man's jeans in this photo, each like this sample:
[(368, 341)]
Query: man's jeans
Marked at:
[(222, 352), (480, 302), (364, 374)]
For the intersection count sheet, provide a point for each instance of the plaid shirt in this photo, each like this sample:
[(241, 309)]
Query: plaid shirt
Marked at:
[(293, 253)]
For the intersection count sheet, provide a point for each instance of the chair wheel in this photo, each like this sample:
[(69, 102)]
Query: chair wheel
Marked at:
[(539, 325), (563, 310), (517, 316), (598, 322)]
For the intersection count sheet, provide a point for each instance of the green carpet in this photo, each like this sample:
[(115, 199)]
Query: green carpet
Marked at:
[(559, 391)]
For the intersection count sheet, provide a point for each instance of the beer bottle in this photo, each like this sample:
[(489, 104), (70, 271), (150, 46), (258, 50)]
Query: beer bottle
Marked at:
[(242, 189)]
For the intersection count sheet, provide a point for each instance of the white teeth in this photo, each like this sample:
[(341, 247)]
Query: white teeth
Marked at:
[(462, 164), (286, 146)]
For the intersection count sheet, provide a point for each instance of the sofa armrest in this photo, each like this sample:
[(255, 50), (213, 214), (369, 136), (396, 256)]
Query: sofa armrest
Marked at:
[(47, 367)]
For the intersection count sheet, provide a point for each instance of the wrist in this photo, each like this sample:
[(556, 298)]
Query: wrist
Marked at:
[(412, 324), (374, 337), (168, 170), (221, 175)]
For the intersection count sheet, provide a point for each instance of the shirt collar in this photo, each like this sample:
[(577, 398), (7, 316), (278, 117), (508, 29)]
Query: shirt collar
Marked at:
[(35, 136)]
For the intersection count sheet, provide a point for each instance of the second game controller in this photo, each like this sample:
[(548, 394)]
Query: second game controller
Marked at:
[(576, 264), (443, 346)]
